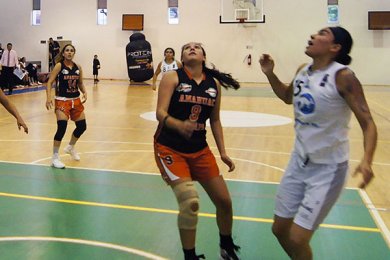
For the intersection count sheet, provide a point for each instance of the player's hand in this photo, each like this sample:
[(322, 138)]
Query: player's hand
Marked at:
[(267, 64), (84, 99), (365, 169), (49, 104), (226, 159), (187, 128), (20, 124)]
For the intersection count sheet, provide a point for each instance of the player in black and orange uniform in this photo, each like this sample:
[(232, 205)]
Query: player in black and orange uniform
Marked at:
[(186, 99), (67, 102)]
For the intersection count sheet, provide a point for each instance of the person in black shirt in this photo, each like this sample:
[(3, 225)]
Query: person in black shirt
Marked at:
[(67, 102), (32, 70), (54, 50), (1, 51), (95, 68), (187, 97)]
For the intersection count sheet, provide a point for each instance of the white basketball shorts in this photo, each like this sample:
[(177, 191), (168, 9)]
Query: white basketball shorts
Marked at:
[(308, 191)]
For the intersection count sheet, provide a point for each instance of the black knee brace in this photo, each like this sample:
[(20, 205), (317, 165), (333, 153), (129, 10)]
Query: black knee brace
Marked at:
[(81, 126), (61, 129)]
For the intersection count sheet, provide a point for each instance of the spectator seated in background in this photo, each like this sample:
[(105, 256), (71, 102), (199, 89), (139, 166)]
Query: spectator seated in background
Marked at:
[(22, 66), (43, 77), (20, 73), (32, 70)]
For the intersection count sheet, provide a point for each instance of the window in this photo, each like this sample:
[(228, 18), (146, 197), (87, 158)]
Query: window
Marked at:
[(333, 11), (36, 13), (102, 12), (173, 12)]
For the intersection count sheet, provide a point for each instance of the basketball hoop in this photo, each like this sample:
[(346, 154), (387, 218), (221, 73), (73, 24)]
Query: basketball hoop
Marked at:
[(241, 15)]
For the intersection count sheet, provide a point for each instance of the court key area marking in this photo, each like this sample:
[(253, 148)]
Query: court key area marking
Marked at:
[(85, 242), (240, 119)]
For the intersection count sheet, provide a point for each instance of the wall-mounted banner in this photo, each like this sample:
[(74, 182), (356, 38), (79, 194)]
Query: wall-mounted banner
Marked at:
[(333, 14)]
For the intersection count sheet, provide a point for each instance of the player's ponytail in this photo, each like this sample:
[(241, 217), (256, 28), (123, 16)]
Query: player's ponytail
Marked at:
[(342, 37), (226, 79)]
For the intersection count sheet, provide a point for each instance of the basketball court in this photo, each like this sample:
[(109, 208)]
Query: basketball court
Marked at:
[(113, 203)]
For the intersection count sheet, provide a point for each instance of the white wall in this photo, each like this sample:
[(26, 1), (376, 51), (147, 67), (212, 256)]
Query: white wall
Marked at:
[(284, 35)]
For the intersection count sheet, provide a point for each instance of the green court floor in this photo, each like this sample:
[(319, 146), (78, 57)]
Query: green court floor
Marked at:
[(48, 213)]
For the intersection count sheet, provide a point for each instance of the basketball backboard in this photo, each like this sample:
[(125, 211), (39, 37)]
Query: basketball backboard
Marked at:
[(234, 11)]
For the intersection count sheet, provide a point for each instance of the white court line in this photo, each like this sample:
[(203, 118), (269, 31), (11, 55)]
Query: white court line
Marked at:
[(258, 163), (364, 195), (236, 149), (253, 150), (86, 242), (80, 141), (151, 144), (149, 151), (142, 129), (94, 152), (87, 168), (137, 172), (36, 162), (158, 174), (375, 215), (374, 163)]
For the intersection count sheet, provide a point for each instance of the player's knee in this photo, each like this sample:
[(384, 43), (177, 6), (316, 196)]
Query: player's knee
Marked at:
[(81, 126), (280, 231), (188, 200), (276, 231), (61, 129), (188, 214), (300, 239)]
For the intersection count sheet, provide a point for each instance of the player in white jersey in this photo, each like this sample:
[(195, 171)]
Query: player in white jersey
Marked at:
[(169, 63), (324, 93)]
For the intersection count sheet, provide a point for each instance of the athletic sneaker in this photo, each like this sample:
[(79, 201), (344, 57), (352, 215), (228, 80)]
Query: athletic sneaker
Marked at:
[(190, 254), (194, 257), (56, 163), (229, 253), (70, 150)]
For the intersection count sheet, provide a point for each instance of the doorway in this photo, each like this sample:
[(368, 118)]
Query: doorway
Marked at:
[(62, 43)]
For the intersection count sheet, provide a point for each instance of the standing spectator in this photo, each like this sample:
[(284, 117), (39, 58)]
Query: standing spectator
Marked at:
[(1, 50), (54, 50), (9, 60), (1, 54), (96, 67), (67, 102)]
